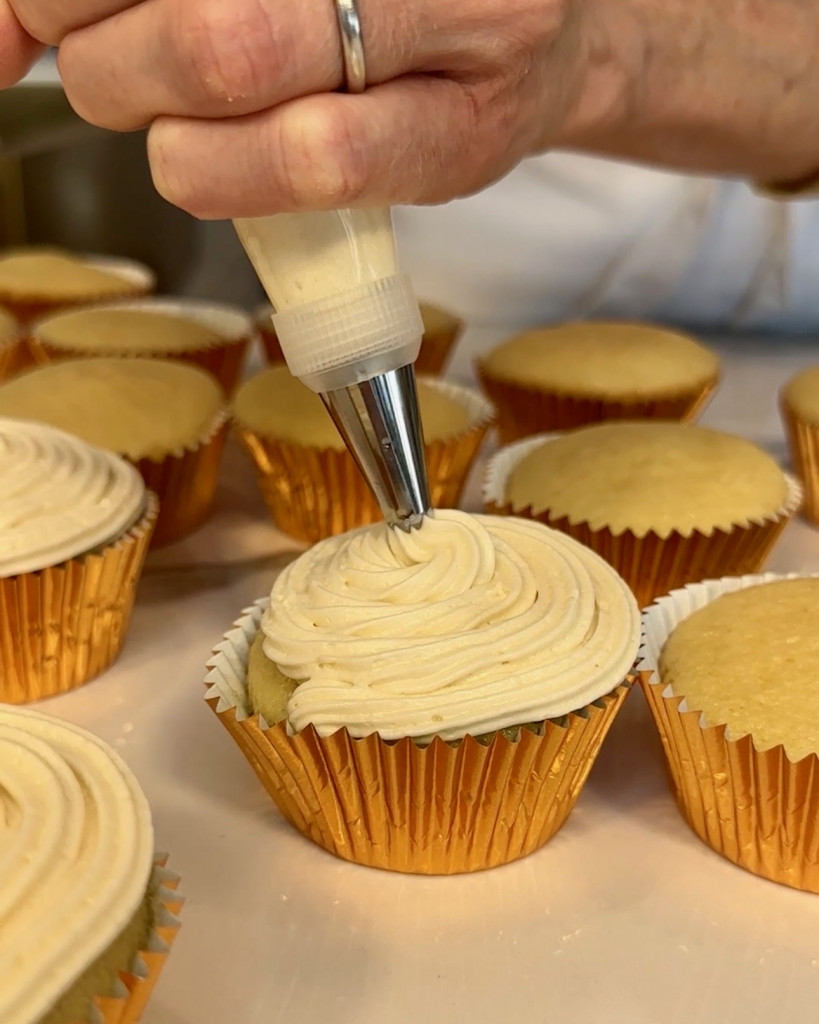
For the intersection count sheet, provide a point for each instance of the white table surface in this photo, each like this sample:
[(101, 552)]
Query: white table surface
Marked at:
[(623, 918)]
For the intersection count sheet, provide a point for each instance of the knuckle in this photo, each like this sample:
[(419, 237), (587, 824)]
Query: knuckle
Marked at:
[(171, 171), (323, 160)]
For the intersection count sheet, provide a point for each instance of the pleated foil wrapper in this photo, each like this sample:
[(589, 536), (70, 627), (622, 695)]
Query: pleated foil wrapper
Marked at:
[(62, 626), (758, 809), (224, 358), (185, 481), (803, 442), (313, 493), (524, 411), (440, 809), (126, 1004), (652, 565), (10, 357)]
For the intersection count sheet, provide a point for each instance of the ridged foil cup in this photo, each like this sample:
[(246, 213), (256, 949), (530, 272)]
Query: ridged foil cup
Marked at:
[(312, 493), (524, 411), (224, 358), (803, 442), (651, 565), (185, 481), (441, 809), (757, 808), (9, 357), (134, 986), (137, 280), (62, 626)]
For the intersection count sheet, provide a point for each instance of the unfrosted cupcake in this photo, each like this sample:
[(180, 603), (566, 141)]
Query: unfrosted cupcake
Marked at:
[(167, 418), (799, 403), (730, 674), (9, 344), (75, 523), (89, 910), (441, 332), (311, 483), (212, 337), (36, 281), (664, 503), (555, 378), (430, 701)]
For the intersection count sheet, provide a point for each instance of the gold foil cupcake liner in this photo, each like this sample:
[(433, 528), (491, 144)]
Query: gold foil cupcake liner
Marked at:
[(757, 808), (62, 626), (9, 357), (524, 411), (651, 565), (134, 986), (803, 441), (440, 809), (224, 359), (312, 493), (185, 481)]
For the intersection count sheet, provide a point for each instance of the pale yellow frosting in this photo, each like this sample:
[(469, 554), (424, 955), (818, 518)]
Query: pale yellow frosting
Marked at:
[(802, 395), (604, 360), (648, 476), (127, 330), (466, 625), (750, 660), (76, 851), (55, 275), (276, 404), (60, 497), (140, 408)]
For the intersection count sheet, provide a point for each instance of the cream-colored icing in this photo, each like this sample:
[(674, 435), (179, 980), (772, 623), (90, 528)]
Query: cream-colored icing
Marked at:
[(76, 850), (466, 625), (60, 497)]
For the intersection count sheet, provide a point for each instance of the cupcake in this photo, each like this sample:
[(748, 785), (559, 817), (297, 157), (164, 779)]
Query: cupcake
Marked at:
[(556, 378), (167, 418), (212, 337), (430, 701), (9, 344), (799, 403), (89, 910), (37, 281), (730, 672), (311, 483), (441, 331), (75, 523), (664, 503)]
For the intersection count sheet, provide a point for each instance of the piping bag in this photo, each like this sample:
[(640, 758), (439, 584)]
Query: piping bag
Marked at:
[(350, 329)]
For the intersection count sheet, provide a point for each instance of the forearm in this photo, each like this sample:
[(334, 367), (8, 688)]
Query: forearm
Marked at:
[(727, 86)]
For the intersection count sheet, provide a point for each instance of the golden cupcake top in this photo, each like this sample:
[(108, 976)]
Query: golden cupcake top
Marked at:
[(128, 331), (650, 476), (466, 625), (140, 408), (275, 404), (76, 850), (750, 660), (615, 361), (51, 274), (801, 395), (60, 497), (437, 320)]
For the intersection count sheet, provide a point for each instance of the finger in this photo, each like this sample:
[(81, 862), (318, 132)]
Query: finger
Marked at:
[(18, 51), (326, 152), (50, 21)]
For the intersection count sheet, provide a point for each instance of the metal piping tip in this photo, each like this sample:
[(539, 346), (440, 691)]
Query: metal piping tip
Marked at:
[(381, 426)]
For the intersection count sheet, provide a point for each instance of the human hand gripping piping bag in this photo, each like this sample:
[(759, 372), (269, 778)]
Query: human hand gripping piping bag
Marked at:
[(350, 329)]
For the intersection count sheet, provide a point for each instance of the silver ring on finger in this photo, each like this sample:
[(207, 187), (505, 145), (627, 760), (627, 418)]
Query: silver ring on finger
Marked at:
[(352, 45)]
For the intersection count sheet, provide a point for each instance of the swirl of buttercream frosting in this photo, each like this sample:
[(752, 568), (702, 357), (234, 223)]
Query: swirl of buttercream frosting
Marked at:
[(466, 625), (76, 852), (60, 497)]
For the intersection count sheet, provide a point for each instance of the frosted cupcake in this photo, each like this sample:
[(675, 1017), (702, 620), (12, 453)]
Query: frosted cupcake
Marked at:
[(730, 674), (430, 701), (310, 482), (555, 378), (441, 332), (799, 403), (664, 503), (89, 910), (9, 344), (75, 523), (36, 281), (167, 418), (212, 337)]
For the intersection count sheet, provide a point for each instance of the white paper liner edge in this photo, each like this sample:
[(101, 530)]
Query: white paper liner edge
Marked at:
[(226, 677)]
